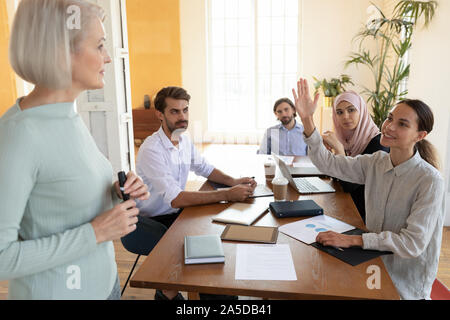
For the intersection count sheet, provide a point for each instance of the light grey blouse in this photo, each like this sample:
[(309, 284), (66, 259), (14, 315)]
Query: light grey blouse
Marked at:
[(404, 212)]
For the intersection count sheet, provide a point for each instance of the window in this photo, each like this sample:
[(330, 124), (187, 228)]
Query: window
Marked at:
[(253, 61)]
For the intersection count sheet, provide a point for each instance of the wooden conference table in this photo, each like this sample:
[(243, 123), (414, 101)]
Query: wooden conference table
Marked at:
[(319, 275)]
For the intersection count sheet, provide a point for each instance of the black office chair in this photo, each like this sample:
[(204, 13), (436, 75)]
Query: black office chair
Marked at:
[(142, 240)]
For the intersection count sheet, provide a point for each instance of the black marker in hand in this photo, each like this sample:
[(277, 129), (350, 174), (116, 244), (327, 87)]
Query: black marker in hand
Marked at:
[(122, 179)]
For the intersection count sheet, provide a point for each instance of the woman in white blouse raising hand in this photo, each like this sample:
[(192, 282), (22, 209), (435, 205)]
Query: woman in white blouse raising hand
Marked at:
[(404, 192)]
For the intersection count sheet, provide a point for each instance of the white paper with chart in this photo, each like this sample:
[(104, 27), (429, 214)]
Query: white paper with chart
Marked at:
[(307, 230)]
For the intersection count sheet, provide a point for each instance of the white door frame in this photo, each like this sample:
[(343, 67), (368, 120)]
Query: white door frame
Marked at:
[(108, 112)]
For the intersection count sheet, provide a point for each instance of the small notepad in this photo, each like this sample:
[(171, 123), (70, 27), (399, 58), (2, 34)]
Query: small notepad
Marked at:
[(243, 213), (203, 249)]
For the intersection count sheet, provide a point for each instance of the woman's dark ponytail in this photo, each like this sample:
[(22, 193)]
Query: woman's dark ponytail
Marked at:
[(425, 123), (428, 153)]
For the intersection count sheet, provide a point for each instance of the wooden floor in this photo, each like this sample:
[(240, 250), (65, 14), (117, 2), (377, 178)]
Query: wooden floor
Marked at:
[(444, 260), (215, 155)]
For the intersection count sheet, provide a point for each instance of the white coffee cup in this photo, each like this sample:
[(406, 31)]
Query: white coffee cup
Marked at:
[(279, 187), (269, 168)]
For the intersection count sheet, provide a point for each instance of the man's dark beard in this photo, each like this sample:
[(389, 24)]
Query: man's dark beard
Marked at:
[(176, 132), (286, 122), (172, 129)]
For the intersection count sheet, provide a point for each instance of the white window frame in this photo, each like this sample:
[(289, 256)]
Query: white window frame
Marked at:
[(255, 133)]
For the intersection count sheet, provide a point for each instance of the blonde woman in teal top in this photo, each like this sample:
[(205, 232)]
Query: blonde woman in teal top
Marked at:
[(57, 213)]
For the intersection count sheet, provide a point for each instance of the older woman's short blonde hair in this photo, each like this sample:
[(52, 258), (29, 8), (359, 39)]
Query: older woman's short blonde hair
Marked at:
[(44, 35)]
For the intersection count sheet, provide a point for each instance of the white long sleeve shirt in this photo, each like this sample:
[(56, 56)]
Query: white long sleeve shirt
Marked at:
[(404, 212), (164, 168)]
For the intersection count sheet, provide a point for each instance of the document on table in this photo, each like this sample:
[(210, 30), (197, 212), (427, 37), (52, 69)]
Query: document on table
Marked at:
[(307, 230), (303, 165), (264, 262), (287, 159)]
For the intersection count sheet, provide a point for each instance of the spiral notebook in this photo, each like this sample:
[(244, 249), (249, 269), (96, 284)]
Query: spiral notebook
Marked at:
[(243, 213)]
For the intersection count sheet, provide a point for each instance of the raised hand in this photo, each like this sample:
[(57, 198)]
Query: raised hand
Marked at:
[(304, 105)]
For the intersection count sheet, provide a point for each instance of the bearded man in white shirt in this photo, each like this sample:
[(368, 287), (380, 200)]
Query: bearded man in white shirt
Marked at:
[(164, 161)]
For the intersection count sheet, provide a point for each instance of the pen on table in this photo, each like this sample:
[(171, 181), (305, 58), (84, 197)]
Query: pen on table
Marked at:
[(122, 179), (337, 248)]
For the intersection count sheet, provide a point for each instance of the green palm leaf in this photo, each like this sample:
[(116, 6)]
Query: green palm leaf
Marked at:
[(393, 40)]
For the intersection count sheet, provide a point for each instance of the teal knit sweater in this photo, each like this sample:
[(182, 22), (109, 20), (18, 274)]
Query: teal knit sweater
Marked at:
[(53, 182)]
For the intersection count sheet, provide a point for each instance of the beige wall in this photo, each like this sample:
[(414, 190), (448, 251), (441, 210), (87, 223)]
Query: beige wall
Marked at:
[(193, 61), (328, 29), (429, 81)]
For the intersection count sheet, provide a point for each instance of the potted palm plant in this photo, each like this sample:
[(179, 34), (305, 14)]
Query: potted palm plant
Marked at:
[(331, 88), (389, 64)]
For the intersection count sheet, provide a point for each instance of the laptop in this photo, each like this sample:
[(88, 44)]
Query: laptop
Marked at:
[(304, 185)]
